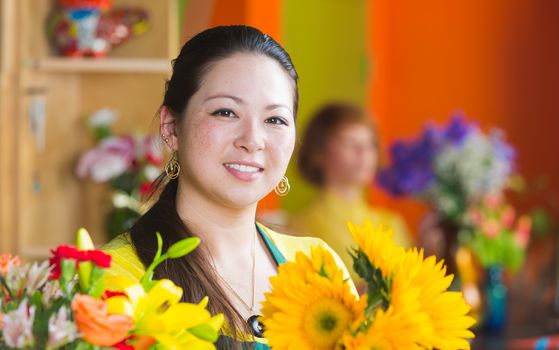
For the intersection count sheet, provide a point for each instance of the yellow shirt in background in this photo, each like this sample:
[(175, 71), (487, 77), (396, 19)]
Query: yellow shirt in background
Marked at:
[(326, 218)]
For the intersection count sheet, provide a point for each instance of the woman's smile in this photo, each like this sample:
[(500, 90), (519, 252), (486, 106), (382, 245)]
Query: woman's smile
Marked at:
[(244, 171)]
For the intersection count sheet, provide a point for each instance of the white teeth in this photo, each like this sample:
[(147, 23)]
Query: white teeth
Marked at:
[(242, 168)]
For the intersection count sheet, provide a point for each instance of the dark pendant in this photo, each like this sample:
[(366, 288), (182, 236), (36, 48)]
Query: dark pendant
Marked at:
[(256, 326)]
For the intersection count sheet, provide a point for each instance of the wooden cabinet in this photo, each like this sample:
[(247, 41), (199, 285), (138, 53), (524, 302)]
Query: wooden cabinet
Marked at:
[(42, 203)]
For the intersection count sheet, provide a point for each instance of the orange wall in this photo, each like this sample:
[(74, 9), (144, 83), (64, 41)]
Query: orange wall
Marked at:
[(265, 15), (497, 60)]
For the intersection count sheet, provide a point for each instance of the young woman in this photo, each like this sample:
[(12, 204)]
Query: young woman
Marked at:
[(339, 155), (228, 116)]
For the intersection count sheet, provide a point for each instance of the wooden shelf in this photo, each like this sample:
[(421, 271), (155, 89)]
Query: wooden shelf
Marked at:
[(35, 253), (102, 65)]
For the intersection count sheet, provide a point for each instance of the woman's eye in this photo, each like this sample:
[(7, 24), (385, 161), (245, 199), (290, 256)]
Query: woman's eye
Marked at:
[(276, 120), (224, 113)]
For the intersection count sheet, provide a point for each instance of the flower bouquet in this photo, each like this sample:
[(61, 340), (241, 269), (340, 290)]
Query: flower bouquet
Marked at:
[(407, 304), (130, 163), (71, 302), (449, 167), (497, 236), (498, 241)]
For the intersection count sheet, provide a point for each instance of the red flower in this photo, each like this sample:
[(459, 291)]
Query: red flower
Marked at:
[(122, 345), (146, 188), (100, 258), (62, 252), (109, 294)]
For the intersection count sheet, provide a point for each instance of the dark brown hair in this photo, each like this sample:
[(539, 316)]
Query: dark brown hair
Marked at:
[(325, 123), (195, 273)]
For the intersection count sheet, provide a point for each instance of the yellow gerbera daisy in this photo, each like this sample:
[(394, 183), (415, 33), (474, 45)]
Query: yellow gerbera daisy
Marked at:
[(378, 244), (310, 305)]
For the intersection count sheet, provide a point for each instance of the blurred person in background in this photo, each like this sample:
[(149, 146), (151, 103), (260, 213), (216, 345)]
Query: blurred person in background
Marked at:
[(339, 154)]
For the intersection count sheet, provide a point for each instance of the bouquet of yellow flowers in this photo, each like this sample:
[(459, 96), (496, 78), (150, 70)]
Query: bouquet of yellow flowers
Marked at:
[(71, 302), (407, 304)]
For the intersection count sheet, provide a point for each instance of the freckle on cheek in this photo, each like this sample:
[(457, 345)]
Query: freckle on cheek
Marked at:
[(203, 136)]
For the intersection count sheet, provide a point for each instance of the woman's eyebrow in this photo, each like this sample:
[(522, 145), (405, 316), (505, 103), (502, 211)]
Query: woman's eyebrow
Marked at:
[(241, 101), (278, 105), (234, 98)]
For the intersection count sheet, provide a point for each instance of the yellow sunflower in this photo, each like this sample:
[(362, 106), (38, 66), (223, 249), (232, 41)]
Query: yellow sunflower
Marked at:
[(310, 306), (419, 304), (404, 316), (389, 331), (446, 312), (378, 244)]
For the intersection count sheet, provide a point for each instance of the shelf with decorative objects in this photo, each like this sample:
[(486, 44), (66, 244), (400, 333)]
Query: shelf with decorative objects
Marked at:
[(101, 65)]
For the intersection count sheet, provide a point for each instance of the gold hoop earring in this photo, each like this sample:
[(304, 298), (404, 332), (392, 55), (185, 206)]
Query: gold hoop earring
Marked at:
[(173, 168), (282, 189)]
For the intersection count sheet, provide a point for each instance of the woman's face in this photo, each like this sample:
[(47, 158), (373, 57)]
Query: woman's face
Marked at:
[(238, 133), (351, 156)]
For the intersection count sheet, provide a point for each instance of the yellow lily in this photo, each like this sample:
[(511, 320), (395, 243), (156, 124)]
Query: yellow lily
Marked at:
[(159, 313)]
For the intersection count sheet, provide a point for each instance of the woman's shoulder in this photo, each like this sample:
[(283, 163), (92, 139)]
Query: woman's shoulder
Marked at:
[(125, 260), (289, 246)]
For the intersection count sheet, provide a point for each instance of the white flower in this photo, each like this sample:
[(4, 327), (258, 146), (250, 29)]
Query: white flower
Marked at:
[(36, 276), (151, 172), (108, 167), (476, 166), (61, 330), (15, 278), (51, 292), (112, 157), (18, 326), (101, 118)]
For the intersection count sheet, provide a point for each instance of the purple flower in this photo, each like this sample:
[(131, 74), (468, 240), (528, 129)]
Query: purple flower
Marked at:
[(458, 129), (412, 169), (456, 160)]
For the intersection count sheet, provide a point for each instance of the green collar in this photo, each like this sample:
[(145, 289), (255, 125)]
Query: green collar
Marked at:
[(276, 254)]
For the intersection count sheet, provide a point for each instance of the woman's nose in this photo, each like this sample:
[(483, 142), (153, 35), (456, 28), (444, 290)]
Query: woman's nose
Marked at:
[(250, 136)]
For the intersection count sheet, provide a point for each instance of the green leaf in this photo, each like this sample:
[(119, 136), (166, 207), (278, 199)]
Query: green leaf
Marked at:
[(378, 287), (159, 246), (4, 288), (84, 275), (68, 270), (204, 332), (183, 247), (97, 285)]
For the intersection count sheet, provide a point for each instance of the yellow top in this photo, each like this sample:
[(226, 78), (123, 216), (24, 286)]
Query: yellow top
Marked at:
[(326, 218), (125, 261)]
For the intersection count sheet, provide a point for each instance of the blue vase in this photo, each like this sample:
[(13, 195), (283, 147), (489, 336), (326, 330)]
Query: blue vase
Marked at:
[(495, 300)]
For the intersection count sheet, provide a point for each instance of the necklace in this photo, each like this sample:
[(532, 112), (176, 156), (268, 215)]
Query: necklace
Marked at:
[(253, 321), (250, 307)]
